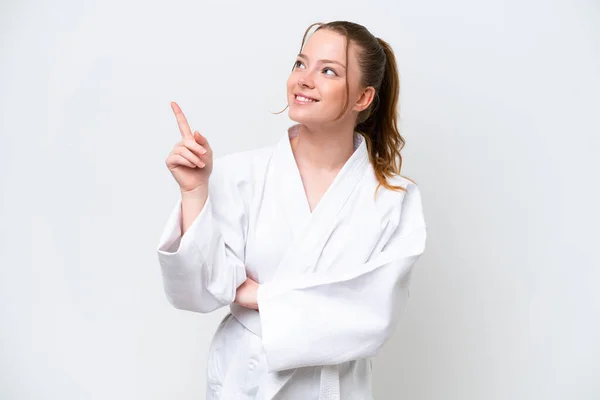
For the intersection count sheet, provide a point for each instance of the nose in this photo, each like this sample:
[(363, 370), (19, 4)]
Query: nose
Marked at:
[(305, 82)]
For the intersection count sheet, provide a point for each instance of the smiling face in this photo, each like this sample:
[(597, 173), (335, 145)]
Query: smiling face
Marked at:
[(316, 88)]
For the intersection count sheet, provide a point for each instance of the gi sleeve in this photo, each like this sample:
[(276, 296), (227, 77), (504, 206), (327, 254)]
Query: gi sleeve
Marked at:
[(335, 317), (202, 269)]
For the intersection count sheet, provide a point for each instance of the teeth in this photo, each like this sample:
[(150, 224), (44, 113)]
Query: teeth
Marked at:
[(302, 98)]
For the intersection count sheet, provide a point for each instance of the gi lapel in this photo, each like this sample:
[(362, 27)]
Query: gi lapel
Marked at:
[(288, 186), (311, 230)]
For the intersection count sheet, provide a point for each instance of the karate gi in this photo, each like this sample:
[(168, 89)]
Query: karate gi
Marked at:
[(332, 281)]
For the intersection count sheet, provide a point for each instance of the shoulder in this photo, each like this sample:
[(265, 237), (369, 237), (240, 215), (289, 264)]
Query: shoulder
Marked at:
[(402, 206), (406, 183), (411, 206), (239, 174), (410, 197), (395, 197)]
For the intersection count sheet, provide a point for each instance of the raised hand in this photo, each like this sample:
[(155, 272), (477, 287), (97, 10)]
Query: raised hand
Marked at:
[(191, 160)]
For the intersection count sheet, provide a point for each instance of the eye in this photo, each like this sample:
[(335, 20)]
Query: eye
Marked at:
[(333, 73), (298, 64)]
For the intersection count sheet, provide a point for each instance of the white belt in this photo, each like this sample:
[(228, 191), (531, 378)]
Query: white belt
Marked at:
[(330, 374)]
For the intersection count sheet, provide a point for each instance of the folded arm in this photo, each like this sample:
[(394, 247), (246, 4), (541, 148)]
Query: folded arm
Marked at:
[(335, 317)]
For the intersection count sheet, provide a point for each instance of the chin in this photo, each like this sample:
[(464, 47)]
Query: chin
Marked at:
[(300, 118), (305, 117)]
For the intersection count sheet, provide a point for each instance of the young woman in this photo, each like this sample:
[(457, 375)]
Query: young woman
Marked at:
[(310, 242)]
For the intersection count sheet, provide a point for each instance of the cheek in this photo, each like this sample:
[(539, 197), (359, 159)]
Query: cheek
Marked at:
[(334, 91), (291, 82)]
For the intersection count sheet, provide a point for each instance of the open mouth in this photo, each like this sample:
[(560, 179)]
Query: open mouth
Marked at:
[(303, 99)]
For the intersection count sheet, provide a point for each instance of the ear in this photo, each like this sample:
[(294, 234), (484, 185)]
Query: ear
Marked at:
[(365, 99)]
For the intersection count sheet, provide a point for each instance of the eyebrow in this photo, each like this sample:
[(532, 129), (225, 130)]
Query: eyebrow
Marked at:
[(324, 61)]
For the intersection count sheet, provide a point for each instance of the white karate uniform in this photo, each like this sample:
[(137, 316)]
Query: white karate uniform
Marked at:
[(332, 282)]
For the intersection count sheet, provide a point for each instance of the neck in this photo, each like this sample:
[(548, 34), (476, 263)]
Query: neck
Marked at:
[(326, 148)]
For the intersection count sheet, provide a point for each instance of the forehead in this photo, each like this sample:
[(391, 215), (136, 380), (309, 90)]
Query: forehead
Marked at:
[(326, 44)]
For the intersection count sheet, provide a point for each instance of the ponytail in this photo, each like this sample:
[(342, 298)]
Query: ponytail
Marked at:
[(379, 123)]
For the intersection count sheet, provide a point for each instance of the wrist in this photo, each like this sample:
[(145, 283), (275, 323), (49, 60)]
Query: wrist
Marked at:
[(196, 193)]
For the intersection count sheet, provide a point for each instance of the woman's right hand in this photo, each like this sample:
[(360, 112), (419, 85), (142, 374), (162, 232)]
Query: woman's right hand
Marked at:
[(191, 160)]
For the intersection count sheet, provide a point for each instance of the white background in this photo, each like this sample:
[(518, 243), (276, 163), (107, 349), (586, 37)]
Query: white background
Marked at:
[(499, 107)]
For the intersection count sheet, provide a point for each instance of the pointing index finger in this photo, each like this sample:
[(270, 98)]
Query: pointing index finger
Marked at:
[(184, 127)]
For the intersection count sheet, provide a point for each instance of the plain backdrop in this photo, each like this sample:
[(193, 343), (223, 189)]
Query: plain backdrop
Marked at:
[(499, 109)]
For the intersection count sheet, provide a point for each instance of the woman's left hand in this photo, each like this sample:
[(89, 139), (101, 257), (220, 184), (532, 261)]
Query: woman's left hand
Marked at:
[(246, 294)]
